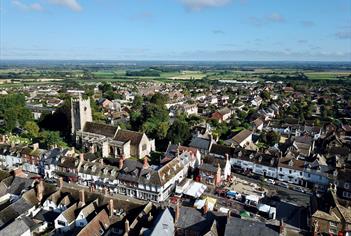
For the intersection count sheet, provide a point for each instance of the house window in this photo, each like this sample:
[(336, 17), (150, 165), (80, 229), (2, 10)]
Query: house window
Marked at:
[(289, 171), (60, 222), (346, 194), (144, 147), (333, 228), (346, 185), (281, 169), (101, 231), (300, 173)]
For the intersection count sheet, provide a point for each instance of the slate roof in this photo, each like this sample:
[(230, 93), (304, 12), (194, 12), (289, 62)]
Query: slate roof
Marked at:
[(17, 184), (240, 227), (193, 220), (14, 210), (222, 150), (208, 167), (164, 224), (101, 129), (18, 227), (200, 143)]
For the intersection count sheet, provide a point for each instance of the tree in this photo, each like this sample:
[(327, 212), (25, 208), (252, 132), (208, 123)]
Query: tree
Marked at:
[(179, 131), (265, 95), (32, 129), (270, 138), (137, 102), (51, 138)]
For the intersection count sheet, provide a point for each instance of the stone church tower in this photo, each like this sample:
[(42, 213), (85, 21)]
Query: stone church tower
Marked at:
[(80, 113)]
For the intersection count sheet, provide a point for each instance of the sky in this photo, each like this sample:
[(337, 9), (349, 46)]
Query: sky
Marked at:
[(214, 30)]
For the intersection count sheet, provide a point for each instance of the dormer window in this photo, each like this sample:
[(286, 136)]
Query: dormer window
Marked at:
[(113, 172), (93, 168), (291, 163), (105, 171), (148, 176)]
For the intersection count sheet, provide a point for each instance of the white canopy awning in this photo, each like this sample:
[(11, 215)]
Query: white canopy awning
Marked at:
[(195, 189)]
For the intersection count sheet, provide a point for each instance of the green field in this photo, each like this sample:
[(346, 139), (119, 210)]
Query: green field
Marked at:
[(32, 76), (326, 75)]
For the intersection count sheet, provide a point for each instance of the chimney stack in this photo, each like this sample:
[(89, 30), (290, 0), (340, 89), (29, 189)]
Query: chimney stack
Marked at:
[(205, 208), (60, 182), (120, 162), (218, 179), (229, 214), (40, 190), (82, 196), (126, 227), (281, 228), (81, 160), (110, 207), (146, 164), (92, 149), (105, 191), (19, 172), (177, 213)]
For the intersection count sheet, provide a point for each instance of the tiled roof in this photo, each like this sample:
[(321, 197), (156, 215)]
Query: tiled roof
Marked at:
[(126, 135), (240, 137), (97, 226)]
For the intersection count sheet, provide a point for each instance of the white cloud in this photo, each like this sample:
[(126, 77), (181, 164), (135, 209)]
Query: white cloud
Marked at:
[(275, 17), (343, 34), (71, 4), (27, 7), (200, 4), (268, 19)]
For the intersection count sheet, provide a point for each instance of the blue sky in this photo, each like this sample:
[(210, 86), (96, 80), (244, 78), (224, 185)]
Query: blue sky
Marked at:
[(252, 30)]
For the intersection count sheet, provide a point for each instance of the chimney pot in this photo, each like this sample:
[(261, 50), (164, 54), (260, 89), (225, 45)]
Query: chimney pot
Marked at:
[(40, 190), (146, 164), (110, 207), (82, 196), (126, 227), (205, 208), (177, 213), (60, 182), (120, 163)]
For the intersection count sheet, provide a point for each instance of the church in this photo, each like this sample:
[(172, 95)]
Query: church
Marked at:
[(103, 139)]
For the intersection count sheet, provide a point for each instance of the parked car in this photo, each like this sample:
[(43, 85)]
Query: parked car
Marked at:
[(298, 188), (270, 181), (283, 184)]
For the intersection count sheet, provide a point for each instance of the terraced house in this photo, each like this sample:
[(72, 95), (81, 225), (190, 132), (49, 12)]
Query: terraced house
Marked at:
[(136, 179)]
